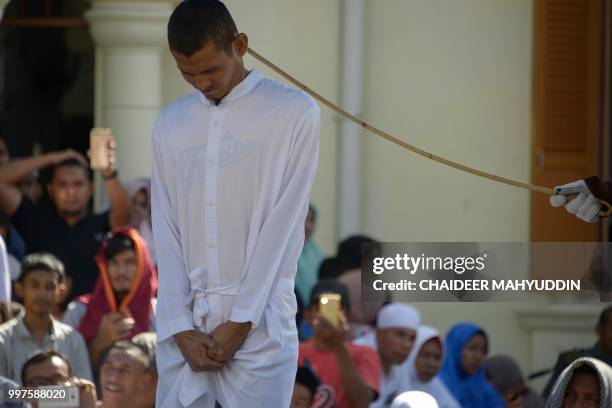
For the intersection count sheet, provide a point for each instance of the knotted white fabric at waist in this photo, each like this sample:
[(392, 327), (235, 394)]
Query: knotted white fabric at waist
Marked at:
[(194, 385)]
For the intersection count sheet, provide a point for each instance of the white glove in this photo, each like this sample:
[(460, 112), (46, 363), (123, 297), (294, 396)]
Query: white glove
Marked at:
[(585, 205)]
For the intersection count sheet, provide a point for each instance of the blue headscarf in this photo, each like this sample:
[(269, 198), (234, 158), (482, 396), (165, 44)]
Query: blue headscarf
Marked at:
[(472, 391)]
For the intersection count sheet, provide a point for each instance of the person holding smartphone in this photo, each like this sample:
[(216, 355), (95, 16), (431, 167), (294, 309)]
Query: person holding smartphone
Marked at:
[(65, 227), (352, 370)]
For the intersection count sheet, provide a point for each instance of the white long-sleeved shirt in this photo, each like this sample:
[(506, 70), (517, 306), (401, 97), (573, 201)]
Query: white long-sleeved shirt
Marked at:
[(230, 188)]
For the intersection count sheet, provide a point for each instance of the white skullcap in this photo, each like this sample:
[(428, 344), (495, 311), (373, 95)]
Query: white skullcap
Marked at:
[(414, 399), (398, 315)]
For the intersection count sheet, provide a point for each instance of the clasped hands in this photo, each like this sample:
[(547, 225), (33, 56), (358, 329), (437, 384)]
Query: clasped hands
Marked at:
[(210, 352)]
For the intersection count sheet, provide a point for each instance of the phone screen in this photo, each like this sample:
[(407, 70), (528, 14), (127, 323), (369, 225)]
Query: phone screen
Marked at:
[(329, 307)]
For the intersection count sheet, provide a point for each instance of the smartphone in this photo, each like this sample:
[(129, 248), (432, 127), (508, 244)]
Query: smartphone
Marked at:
[(99, 138), (60, 397), (329, 307)]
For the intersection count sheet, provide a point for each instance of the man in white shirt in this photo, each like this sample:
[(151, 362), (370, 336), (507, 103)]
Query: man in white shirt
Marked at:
[(396, 326), (232, 170)]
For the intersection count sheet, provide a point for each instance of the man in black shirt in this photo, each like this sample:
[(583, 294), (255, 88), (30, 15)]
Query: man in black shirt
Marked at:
[(66, 227)]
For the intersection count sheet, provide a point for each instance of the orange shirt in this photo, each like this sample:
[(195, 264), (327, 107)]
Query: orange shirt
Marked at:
[(325, 364)]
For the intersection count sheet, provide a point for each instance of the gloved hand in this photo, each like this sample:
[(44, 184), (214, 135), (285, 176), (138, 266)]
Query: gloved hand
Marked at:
[(586, 204)]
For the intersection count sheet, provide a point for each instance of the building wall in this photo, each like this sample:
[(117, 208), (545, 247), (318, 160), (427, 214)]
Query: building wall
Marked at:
[(451, 77)]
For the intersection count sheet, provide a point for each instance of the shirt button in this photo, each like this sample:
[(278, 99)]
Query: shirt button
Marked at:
[(212, 162), (211, 244), (216, 123), (211, 204)]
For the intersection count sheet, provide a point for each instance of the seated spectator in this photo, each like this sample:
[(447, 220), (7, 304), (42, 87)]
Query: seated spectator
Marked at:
[(66, 227), (506, 377), (124, 374), (139, 191), (463, 372), (353, 371), (148, 341), (585, 383), (351, 260), (310, 258), (123, 302), (140, 213), (305, 388), (39, 284), (31, 187), (330, 268), (414, 399), (396, 326), (424, 364), (51, 368), (601, 350)]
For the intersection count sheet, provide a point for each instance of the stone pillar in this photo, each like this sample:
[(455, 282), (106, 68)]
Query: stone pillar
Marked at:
[(130, 37)]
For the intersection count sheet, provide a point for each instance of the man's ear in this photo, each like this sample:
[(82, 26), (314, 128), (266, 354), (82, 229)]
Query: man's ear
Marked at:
[(599, 330), (241, 44)]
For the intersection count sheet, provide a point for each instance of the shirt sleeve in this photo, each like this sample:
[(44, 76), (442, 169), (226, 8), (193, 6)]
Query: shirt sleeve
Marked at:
[(284, 224), (80, 357), (173, 315), (368, 368)]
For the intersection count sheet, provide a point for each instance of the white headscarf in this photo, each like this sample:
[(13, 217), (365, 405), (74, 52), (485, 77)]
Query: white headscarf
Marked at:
[(435, 387), (414, 399)]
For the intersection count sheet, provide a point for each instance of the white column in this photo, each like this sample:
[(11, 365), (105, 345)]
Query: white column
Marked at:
[(129, 37), (351, 160)]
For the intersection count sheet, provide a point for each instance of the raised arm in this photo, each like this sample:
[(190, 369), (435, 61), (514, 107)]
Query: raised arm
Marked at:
[(118, 197), (15, 171)]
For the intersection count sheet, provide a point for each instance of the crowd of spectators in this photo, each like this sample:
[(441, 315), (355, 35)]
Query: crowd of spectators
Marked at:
[(78, 298)]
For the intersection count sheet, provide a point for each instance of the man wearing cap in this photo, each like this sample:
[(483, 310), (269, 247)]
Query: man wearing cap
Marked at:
[(396, 326), (352, 370), (39, 285)]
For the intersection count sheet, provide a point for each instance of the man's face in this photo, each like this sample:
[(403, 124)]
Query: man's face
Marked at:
[(122, 376), (4, 153), (582, 392), (395, 343), (121, 269), (302, 397), (70, 190), (213, 71), (39, 291), (53, 371), (429, 360), (474, 354)]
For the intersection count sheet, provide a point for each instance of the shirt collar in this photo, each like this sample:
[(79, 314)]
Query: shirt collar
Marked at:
[(243, 88), (22, 331)]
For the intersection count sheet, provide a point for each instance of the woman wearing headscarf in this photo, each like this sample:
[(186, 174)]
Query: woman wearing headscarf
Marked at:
[(463, 372), (424, 364), (122, 303), (139, 191), (506, 377), (586, 383)]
